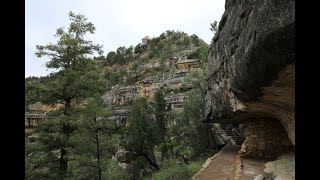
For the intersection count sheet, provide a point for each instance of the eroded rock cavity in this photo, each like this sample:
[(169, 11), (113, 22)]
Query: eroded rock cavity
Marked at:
[(265, 138)]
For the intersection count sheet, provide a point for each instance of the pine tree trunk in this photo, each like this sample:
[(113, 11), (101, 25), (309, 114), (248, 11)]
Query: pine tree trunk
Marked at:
[(63, 166), (63, 163), (98, 150), (151, 162), (98, 157)]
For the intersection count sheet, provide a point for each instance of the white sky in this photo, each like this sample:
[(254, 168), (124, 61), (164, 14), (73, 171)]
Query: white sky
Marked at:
[(118, 22)]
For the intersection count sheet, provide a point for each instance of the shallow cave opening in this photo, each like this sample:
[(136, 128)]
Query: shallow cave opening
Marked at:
[(265, 138)]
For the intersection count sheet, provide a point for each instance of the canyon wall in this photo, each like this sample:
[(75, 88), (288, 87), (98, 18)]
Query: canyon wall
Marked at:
[(250, 73)]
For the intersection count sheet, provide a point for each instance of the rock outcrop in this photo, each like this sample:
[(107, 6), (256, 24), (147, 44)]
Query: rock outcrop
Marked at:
[(173, 83), (281, 169), (251, 65)]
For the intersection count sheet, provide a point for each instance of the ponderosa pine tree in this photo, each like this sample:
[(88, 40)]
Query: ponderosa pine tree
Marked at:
[(76, 78)]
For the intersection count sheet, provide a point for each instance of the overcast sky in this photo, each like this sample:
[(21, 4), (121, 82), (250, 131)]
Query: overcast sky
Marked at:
[(118, 22)]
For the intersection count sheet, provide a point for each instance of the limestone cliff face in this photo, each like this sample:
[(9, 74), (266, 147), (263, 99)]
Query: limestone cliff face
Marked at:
[(119, 97), (251, 65)]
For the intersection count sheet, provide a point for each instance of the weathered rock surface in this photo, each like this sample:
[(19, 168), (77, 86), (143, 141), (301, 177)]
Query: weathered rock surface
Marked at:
[(121, 156), (251, 64), (283, 168), (259, 177), (121, 96), (265, 138), (119, 116), (175, 101)]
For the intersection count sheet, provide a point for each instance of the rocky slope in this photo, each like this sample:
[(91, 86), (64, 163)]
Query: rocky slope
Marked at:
[(167, 71), (172, 83)]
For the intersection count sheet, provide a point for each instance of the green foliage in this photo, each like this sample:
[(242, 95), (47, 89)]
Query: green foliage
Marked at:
[(141, 136), (170, 42), (77, 76), (94, 130), (195, 166), (111, 58), (159, 106), (190, 136), (32, 92), (43, 154), (174, 169), (159, 111), (201, 53), (70, 45), (118, 76), (130, 79), (113, 77), (113, 171), (195, 39), (162, 47), (114, 143), (121, 56), (129, 51), (138, 49), (152, 55), (37, 162), (186, 41), (135, 66), (196, 78), (174, 172)]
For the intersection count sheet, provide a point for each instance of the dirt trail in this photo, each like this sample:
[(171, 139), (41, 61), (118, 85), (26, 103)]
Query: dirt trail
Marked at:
[(223, 166)]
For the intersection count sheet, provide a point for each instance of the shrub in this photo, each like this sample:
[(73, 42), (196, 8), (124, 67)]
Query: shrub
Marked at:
[(195, 166), (177, 171), (114, 171)]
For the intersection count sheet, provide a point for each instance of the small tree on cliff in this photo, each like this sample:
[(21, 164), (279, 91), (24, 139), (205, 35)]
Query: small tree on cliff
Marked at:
[(76, 79), (214, 27)]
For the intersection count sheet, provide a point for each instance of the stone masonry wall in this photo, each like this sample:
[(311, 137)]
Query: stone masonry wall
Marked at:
[(265, 138)]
